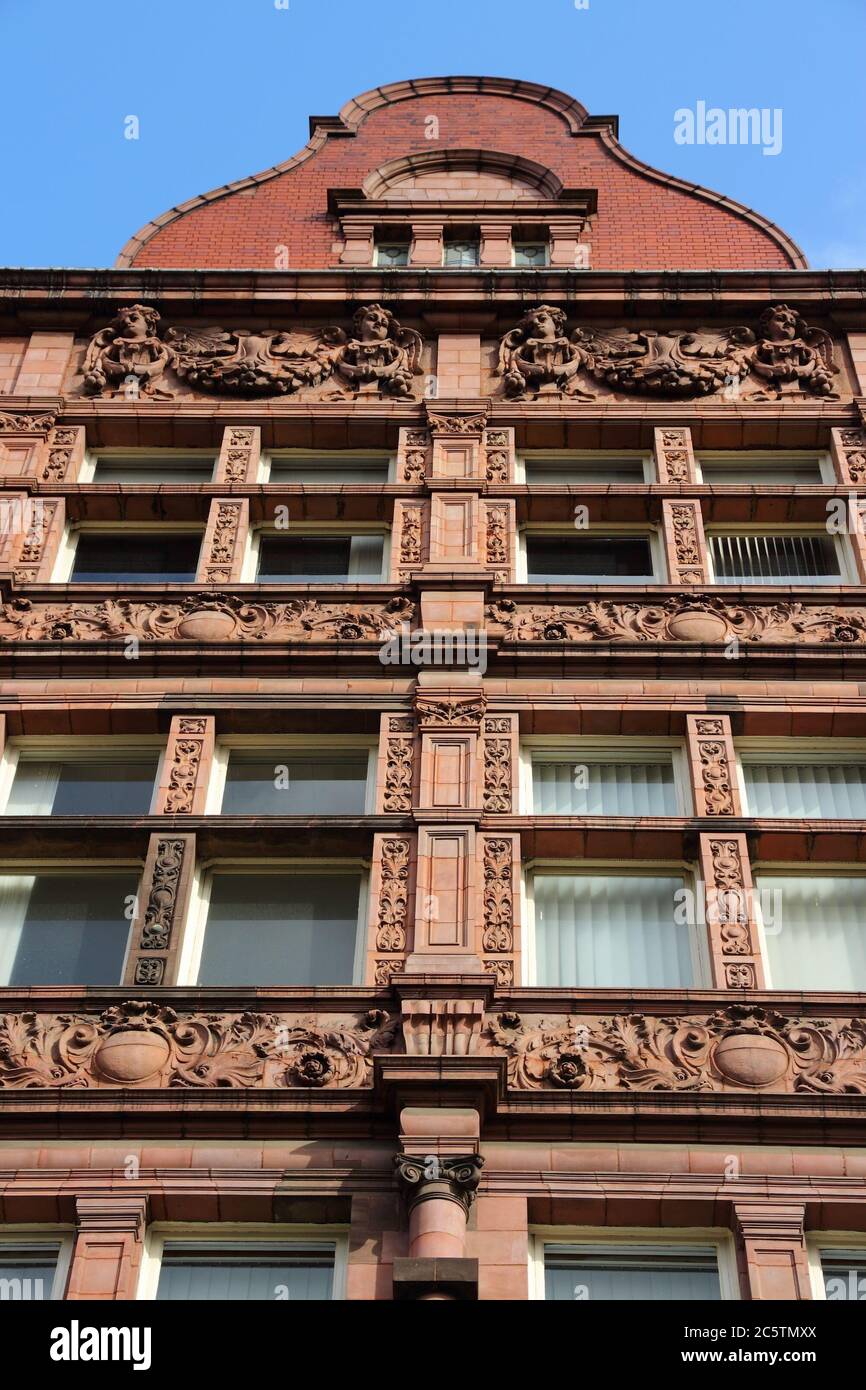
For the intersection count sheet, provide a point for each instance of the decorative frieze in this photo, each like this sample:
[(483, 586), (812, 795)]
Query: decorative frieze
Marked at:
[(15, 423), (448, 712)]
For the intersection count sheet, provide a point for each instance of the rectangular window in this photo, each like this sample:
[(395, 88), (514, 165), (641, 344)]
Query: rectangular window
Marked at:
[(281, 929), (65, 929), (844, 1275), (530, 254), (462, 253), (152, 469), (636, 1273), (814, 929), (327, 469), (566, 472), (753, 472), (392, 255), (236, 1270), (321, 559), (588, 559), (774, 559), (28, 1270), (804, 790), (119, 786), (136, 558), (578, 786), (280, 783), (611, 931)]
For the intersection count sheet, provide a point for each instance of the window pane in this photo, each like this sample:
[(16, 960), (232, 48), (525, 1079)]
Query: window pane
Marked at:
[(116, 788), (64, 929), (755, 472), (392, 254), (235, 1273), (579, 788), (281, 785), (135, 559), (593, 560), (773, 559), (815, 930), (313, 470), (609, 931), (27, 1272), (530, 253), (844, 1275), (461, 253), (574, 471), (586, 1273), (153, 470), (281, 929), (321, 559), (806, 790)]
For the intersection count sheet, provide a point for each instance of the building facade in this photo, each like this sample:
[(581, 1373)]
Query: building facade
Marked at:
[(433, 646)]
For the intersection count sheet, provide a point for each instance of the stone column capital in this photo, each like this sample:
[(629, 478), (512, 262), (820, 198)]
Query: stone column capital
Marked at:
[(447, 1177)]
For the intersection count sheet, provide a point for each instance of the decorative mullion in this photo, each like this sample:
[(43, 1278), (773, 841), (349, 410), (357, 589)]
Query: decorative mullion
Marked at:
[(848, 448), (414, 455), (685, 543), (186, 766), (412, 540), (41, 534), (674, 456), (239, 454), (62, 454), (729, 912), (499, 541), (498, 932), (397, 768), (713, 763), (499, 743), (392, 897), (222, 551), (498, 455), (162, 905)]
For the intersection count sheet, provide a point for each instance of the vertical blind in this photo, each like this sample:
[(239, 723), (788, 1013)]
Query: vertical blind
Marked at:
[(774, 559), (815, 930), (579, 788), (233, 1273), (806, 790), (638, 1274), (606, 931)]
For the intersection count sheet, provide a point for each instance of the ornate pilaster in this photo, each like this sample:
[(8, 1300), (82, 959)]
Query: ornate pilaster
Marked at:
[(238, 460), (163, 900), (713, 764), (685, 544), (730, 921), (674, 456)]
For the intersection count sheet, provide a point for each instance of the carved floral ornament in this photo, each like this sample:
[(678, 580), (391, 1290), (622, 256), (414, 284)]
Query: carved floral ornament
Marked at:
[(780, 357), (377, 355)]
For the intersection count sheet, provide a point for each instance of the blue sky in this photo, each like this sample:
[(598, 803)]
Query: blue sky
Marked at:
[(223, 88)]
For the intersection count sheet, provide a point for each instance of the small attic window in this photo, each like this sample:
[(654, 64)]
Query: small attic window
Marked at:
[(392, 255), (530, 254), (462, 253)]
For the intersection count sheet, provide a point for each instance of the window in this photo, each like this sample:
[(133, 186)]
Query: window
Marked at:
[(588, 559), (150, 468), (584, 784), (282, 783), (604, 930), (461, 254), (814, 930), (530, 254), (565, 472), (644, 1273), (784, 784), (327, 468), (33, 1266), (65, 929), (392, 255), (773, 558), (136, 558), (97, 785), (321, 559), (842, 1273), (281, 929), (237, 1270), (740, 470)]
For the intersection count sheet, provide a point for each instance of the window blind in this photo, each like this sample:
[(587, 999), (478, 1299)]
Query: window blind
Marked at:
[(815, 930), (806, 790), (579, 788)]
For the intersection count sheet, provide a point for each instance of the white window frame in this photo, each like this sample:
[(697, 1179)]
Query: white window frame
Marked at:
[(471, 240), (558, 748), (193, 931), (584, 868), (626, 1237), (817, 1242), (759, 869), (43, 1234), (65, 561), (63, 868), (552, 530), (378, 243), (119, 457), (249, 572), (332, 457), (802, 752), (160, 1233), (291, 744), (76, 748), (847, 572), (583, 460), (530, 241), (743, 459)]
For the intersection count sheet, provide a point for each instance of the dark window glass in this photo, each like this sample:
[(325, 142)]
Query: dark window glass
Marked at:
[(135, 559), (121, 787), (328, 470), (320, 559), (282, 785), (593, 560), (65, 929), (153, 470)]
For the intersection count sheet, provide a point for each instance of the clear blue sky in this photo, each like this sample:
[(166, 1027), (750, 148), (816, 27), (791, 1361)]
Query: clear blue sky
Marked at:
[(223, 88)]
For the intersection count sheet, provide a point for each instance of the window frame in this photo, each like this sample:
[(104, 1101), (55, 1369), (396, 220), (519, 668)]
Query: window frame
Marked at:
[(161, 1233), (592, 748), (699, 945), (39, 1233), (332, 457), (65, 560), (194, 929), (472, 238), (760, 868), (626, 531), (227, 744), (586, 458), (120, 457), (735, 458), (819, 1241), (75, 748), (844, 558), (380, 242), (804, 752), (518, 242), (252, 552), (540, 1237)]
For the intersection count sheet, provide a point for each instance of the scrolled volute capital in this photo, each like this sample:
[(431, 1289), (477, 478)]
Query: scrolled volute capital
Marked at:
[(452, 1177)]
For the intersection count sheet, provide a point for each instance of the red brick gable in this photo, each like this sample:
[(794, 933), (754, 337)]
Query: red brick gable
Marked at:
[(646, 220)]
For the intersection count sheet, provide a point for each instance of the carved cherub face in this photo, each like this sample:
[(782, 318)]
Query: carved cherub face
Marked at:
[(781, 325), (373, 325), (135, 321), (544, 323)]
